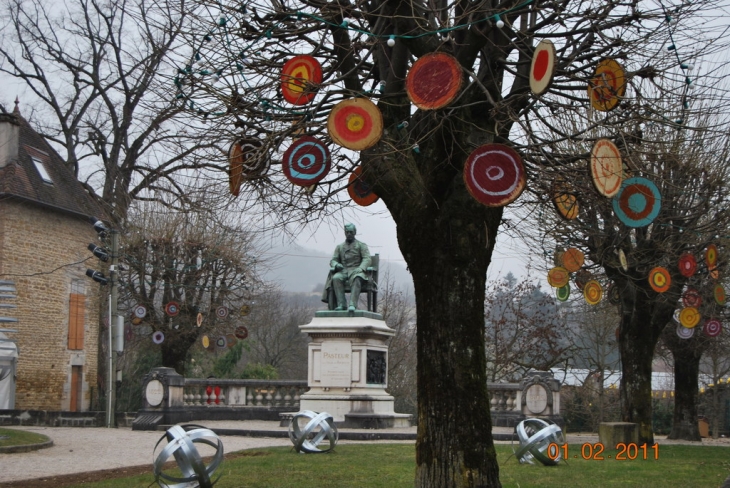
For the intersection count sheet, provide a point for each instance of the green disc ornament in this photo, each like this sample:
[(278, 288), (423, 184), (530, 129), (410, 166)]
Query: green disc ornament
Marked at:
[(562, 293)]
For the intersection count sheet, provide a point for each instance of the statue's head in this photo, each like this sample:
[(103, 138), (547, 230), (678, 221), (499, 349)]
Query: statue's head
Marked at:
[(350, 232)]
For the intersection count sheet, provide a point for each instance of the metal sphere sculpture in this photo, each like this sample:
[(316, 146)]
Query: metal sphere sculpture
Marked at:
[(181, 441), (535, 436), (318, 426)]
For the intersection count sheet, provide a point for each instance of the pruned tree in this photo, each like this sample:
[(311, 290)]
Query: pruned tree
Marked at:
[(92, 70), (526, 329), (422, 163), (682, 216), (178, 266)]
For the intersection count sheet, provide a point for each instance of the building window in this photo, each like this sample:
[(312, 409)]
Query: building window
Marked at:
[(76, 313), (42, 170)]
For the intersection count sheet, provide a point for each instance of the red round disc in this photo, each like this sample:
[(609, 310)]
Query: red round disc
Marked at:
[(306, 161), (712, 328), (543, 67), (719, 293), (359, 191), (494, 175), (355, 123), (691, 298), (433, 81), (241, 332), (299, 79), (172, 309), (687, 265), (573, 259)]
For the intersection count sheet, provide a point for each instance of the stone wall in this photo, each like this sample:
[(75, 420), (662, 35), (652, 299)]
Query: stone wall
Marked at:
[(43, 252)]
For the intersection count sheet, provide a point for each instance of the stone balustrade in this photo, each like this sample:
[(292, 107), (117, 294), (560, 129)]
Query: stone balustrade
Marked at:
[(239, 393)]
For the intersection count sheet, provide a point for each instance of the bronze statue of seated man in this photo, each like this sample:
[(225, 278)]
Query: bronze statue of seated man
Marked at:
[(348, 266)]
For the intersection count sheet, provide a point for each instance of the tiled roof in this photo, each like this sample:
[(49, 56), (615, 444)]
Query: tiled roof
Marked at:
[(21, 179)]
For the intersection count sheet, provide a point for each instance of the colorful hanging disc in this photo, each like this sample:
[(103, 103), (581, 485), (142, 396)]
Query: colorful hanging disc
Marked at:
[(614, 296), (563, 292), (158, 337), (593, 292), (140, 311), (582, 278), (433, 81), (565, 201), (558, 277), (359, 190), (606, 168), (675, 317), (199, 319), (684, 332), (221, 342), (221, 312), (172, 309), (689, 317), (637, 203), (356, 124), (719, 293), (494, 175), (241, 332), (136, 320), (306, 161), (622, 260), (691, 298), (206, 341), (245, 310), (231, 340), (711, 257), (542, 68), (607, 86), (246, 162), (300, 78), (687, 265), (659, 279), (712, 328), (573, 259)]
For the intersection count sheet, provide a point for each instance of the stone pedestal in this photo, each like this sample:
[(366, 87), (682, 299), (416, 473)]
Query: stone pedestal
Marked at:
[(348, 370), (611, 433)]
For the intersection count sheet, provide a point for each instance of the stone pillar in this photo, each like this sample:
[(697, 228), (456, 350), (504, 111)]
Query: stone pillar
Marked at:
[(348, 370), (162, 394), (539, 396)]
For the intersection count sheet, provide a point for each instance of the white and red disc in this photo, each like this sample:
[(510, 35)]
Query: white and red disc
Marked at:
[(158, 337), (712, 328), (494, 175), (606, 168), (542, 68), (221, 312), (140, 311)]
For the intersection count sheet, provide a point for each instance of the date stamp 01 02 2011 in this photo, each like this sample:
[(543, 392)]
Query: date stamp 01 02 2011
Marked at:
[(594, 452)]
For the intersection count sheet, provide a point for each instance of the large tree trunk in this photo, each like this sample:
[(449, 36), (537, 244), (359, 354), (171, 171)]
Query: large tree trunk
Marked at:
[(687, 354), (448, 256)]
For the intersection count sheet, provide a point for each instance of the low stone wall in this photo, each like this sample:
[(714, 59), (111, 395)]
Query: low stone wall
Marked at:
[(49, 418)]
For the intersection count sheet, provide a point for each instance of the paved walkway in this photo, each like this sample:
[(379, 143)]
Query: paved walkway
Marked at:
[(81, 449)]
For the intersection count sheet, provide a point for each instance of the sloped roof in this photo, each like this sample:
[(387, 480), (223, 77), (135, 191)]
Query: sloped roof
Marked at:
[(20, 178)]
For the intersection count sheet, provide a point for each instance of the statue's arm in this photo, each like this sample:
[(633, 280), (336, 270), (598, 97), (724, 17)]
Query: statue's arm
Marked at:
[(365, 253), (335, 259)]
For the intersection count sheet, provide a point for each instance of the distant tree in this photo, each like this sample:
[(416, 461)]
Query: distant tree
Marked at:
[(525, 329), (192, 260)]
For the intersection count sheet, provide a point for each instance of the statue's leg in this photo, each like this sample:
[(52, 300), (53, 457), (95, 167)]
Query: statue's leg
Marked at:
[(338, 283), (355, 288)]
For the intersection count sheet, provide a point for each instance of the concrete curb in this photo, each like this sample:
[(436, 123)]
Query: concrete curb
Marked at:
[(26, 447)]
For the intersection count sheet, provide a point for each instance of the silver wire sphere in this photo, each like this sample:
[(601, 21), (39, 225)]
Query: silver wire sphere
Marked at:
[(535, 436), (318, 426), (181, 441)]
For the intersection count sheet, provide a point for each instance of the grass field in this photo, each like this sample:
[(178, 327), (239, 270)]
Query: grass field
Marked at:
[(392, 466), (14, 437)]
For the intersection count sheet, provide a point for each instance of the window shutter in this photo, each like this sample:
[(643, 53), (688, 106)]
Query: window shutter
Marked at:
[(76, 312)]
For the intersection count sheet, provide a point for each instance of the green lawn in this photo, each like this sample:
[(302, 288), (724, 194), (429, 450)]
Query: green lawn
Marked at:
[(13, 437), (392, 465)]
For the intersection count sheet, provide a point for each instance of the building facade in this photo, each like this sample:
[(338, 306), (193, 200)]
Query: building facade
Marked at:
[(44, 233)]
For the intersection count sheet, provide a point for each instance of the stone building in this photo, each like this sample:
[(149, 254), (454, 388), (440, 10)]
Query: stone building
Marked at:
[(44, 233)]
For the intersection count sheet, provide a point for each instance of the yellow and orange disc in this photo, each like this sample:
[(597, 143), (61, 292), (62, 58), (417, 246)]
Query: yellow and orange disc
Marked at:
[(607, 85), (558, 277), (719, 292), (593, 292), (355, 123), (433, 81), (299, 79), (689, 317), (711, 261), (566, 203), (573, 259), (659, 279), (359, 191)]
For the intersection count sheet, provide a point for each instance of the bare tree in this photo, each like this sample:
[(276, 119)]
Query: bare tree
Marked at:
[(178, 266), (525, 329), (97, 72)]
